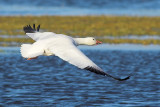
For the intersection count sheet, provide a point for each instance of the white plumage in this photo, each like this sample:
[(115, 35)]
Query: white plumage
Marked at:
[(63, 46), (60, 45)]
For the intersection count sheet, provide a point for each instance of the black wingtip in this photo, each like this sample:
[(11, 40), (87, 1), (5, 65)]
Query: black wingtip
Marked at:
[(124, 78), (119, 79), (98, 71), (34, 28), (29, 29), (38, 28)]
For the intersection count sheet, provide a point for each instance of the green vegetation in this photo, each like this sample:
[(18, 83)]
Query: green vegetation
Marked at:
[(83, 26)]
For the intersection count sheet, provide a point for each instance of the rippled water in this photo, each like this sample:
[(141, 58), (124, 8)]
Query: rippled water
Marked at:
[(49, 81), (80, 7)]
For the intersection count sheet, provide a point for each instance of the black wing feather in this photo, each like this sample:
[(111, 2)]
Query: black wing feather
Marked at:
[(97, 71), (29, 29), (38, 28), (34, 28)]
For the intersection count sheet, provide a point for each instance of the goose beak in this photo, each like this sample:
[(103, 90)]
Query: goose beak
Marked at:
[(98, 42)]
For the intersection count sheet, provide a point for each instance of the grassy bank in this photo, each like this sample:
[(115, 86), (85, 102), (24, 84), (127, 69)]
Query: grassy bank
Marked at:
[(84, 26)]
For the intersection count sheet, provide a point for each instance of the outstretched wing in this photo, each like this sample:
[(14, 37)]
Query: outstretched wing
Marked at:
[(70, 53), (38, 35), (34, 33)]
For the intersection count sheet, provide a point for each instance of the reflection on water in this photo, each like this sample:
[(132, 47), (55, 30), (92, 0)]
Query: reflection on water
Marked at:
[(49, 81)]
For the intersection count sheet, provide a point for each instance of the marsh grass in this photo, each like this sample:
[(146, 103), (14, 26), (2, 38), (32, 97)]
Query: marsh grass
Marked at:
[(83, 26)]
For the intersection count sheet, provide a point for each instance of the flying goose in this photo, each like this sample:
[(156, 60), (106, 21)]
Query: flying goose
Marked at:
[(63, 46)]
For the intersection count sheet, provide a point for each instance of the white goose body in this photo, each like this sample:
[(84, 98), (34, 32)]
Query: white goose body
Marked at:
[(63, 46)]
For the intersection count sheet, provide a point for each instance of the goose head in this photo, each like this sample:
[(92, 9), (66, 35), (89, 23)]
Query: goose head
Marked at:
[(87, 41)]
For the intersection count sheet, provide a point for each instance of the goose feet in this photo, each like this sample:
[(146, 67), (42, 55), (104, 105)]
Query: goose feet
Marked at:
[(32, 58)]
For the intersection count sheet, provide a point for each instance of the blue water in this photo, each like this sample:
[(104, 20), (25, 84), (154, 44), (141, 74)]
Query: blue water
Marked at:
[(51, 82), (80, 7)]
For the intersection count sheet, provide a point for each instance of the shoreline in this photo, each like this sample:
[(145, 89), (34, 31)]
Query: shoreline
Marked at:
[(102, 47)]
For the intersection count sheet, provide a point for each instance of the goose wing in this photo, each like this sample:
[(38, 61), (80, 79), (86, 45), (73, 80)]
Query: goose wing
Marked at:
[(34, 33), (70, 53), (40, 35)]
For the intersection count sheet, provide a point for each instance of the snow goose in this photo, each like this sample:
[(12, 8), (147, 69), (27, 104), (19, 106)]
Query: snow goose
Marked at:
[(63, 46)]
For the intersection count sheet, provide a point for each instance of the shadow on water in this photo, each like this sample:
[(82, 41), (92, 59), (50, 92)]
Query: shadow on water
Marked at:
[(49, 81)]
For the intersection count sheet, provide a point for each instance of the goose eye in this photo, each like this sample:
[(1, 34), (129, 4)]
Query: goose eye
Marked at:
[(93, 39)]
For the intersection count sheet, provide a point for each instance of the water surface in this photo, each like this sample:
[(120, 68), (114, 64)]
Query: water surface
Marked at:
[(80, 7), (49, 81)]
